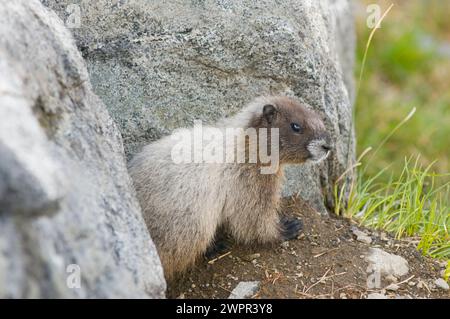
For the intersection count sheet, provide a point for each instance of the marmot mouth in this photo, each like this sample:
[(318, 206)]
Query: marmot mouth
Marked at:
[(316, 158), (318, 150)]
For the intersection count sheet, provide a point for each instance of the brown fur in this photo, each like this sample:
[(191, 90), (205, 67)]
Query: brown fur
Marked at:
[(184, 204)]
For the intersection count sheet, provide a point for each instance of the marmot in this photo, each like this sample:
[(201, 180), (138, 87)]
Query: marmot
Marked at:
[(185, 203)]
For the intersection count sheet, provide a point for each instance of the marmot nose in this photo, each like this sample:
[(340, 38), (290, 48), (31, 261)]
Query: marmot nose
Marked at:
[(326, 147)]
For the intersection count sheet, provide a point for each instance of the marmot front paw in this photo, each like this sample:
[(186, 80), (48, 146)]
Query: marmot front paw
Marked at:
[(291, 227)]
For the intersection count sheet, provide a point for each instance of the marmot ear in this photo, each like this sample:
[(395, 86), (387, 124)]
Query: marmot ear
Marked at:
[(269, 113)]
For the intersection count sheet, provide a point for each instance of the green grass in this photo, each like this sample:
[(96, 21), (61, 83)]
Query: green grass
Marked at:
[(400, 73), (447, 271), (403, 186), (411, 205)]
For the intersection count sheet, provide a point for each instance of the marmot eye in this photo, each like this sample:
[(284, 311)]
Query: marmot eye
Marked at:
[(295, 127)]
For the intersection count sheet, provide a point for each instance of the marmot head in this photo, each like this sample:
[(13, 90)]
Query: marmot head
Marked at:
[(302, 133)]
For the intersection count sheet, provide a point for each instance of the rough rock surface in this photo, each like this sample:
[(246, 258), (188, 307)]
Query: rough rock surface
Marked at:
[(160, 65), (245, 289), (441, 283), (361, 236), (65, 195), (386, 263)]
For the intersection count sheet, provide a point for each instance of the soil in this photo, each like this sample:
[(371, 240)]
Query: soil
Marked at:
[(326, 261)]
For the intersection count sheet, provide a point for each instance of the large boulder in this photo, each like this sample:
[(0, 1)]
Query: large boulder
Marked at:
[(70, 225), (159, 65)]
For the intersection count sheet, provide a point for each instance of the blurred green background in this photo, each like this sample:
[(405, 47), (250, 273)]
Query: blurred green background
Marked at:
[(407, 65)]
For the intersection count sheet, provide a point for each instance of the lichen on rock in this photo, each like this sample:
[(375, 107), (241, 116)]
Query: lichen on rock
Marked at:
[(161, 65), (65, 195)]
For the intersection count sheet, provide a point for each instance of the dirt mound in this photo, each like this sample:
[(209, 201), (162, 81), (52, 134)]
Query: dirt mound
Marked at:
[(325, 262)]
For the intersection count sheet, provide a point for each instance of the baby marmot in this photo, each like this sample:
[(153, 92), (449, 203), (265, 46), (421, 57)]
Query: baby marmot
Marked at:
[(185, 201)]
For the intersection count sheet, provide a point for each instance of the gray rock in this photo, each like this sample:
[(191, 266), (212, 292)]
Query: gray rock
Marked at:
[(385, 263), (441, 283), (159, 66), (70, 225), (391, 279), (251, 257), (244, 289), (364, 239), (361, 236), (392, 287)]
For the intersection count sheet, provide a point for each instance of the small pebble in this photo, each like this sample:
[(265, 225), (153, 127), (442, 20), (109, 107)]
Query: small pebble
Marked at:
[(364, 239), (441, 283), (232, 277), (361, 236), (244, 289), (285, 245), (251, 257), (392, 287), (391, 278), (336, 242)]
